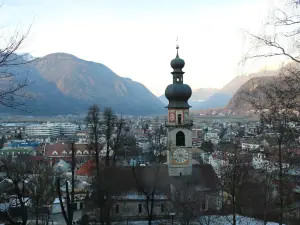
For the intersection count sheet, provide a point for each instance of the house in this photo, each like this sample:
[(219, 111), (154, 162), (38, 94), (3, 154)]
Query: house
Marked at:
[(213, 137), (86, 169), (63, 150), (197, 136), (265, 161), (251, 144)]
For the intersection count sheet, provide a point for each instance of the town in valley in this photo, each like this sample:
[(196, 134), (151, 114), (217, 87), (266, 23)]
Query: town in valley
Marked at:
[(211, 142)]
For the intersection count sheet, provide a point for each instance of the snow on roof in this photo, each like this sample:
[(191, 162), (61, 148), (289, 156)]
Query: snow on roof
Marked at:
[(56, 201)]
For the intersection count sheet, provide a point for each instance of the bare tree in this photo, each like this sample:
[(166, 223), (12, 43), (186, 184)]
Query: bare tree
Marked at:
[(277, 101), (158, 142), (93, 119), (109, 119), (12, 94), (281, 36), (25, 184), (42, 190), (148, 187), (68, 210), (233, 177), (17, 199), (101, 199), (264, 179), (189, 203), (119, 126)]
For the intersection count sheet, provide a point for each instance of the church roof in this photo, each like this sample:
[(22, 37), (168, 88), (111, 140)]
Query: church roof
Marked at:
[(123, 180), (178, 93)]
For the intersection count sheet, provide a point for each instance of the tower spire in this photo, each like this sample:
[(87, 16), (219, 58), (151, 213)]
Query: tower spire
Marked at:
[(177, 46)]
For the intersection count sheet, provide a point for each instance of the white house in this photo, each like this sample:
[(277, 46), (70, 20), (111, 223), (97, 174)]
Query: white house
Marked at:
[(260, 161)]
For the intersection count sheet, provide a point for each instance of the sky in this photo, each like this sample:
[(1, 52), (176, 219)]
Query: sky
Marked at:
[(137, 38)]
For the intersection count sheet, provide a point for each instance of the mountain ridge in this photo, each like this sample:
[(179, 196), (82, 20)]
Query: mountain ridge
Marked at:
[(238, 102), (78, 83)]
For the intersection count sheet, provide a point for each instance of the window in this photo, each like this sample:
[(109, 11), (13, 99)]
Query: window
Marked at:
[(162, 208), (85, 152), (180, 139), (180, 174), (204, 205), (179, 118), (140, 208), (117, 209)]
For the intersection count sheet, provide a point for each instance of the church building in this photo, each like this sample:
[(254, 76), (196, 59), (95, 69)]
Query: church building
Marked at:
[(187, 191), (179, 122)]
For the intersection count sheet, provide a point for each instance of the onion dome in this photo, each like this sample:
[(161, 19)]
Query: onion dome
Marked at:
[(177, 63), (178, 95)]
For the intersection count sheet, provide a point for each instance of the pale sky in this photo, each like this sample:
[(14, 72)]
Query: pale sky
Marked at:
[(137, 38)]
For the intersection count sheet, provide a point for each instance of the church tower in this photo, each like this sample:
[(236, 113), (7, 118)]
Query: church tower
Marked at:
[(179, 123)]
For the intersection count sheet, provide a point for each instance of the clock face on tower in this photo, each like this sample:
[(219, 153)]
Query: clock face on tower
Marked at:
[(180, 156)]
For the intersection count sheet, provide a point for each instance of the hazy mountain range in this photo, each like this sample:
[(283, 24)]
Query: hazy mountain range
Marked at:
[(239, 101), (209, 98), (65, 84)]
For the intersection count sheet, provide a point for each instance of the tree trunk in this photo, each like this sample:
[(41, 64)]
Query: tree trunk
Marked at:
[(73, 181), (280, 184), (36, 215), (233, 195), (265, 213), (107, 151), (96, 150)]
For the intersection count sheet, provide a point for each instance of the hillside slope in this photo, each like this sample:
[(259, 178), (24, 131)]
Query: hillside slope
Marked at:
[(65, 84), (221, 98), (256, 86)]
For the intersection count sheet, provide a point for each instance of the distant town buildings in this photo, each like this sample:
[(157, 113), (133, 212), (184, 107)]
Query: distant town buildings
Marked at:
[(51, 129)]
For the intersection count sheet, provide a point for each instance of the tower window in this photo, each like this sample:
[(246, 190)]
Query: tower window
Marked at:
[(140, 208), (162, 208), (117, 209), (180, 139), (179, 118)]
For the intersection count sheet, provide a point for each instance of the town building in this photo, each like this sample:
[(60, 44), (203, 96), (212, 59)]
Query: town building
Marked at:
[(51, 129), (183, 174), (43, 130)]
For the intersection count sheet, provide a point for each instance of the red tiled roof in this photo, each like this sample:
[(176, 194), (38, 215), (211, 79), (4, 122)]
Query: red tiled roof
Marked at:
[(86, 168), (58, 147)]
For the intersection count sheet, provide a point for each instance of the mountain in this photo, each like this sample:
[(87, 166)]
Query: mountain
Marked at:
[(198, 95), (221, 98), (202, 94), (65, 84), (239, 100), (218, 100)]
